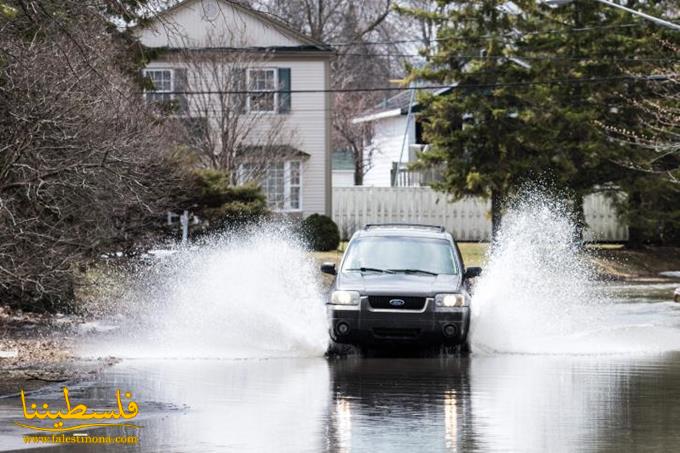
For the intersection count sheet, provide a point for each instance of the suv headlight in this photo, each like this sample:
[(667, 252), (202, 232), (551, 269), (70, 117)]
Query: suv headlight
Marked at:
[(345, 298), (450, 300)]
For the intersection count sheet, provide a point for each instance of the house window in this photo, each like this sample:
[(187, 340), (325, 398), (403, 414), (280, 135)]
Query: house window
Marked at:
[(280, 181), (163, 84), (274, 185), (262, 86), (294, 184)]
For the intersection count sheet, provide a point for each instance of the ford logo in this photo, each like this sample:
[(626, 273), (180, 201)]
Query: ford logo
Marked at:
[(397, 302)]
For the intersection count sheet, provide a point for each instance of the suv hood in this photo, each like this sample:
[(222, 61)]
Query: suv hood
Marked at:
[(398, 284)]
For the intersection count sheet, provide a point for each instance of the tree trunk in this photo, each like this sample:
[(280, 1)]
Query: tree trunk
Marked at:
[(358, 168), (358, 178), (496, 208), (579, 217), (635, 230)]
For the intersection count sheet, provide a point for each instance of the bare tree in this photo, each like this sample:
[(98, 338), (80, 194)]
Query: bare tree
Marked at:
[(231, 97), (657, 112), (354, 137), (420, 27), (326, 20), (352, 26), (82, 161)]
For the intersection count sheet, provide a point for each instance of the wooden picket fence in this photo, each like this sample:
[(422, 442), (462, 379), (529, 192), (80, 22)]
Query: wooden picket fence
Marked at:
[(467, 219)]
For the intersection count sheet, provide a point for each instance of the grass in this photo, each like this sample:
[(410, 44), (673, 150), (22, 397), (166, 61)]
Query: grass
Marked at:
[(617, 261), (474, 253), (334, 256)]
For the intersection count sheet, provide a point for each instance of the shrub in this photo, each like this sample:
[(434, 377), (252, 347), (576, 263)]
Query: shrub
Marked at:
[(81, 158), (321, 233), (214, 200)]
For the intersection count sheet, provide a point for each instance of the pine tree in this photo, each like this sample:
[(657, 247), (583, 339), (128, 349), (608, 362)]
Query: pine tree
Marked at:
[(533, 88), (478, 132), (617, 52)]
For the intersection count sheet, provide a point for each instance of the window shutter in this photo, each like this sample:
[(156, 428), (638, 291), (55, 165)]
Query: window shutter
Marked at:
[(284, 90), (240, 86), (180, 79)]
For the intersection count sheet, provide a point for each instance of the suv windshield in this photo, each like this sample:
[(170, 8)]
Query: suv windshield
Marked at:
[(400, 254)]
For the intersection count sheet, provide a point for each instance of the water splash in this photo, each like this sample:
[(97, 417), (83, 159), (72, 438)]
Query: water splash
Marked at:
[(539, 294), (248, 297)]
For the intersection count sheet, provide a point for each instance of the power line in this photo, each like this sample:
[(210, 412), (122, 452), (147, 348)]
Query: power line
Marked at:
[(259, 51), (648, 78), (572, 101), (519, 57), (199, 113), (516, 34)]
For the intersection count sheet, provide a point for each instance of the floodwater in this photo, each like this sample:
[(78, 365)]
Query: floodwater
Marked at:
[(222, 349), (504, 402), (482, 402)]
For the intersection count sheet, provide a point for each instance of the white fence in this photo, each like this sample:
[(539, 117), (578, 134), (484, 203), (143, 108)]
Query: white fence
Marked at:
[(467, 220)]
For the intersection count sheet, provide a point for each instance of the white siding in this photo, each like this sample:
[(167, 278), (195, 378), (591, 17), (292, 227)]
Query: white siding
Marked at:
[(187, 26), (388, 136), (343, 178), (308, 120), (308, 116)]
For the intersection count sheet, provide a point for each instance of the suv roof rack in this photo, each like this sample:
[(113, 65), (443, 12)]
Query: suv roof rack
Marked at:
[(439, 228)]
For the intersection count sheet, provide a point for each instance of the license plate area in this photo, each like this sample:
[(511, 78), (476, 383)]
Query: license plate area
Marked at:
[(396, 333)]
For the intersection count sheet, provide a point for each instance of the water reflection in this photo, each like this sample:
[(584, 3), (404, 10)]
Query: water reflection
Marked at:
[(507, 403), (206, 405), (478, 403), (399, 405), (451, 420)]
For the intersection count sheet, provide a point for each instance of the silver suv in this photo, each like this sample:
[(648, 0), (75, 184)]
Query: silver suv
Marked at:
[(400, 284)]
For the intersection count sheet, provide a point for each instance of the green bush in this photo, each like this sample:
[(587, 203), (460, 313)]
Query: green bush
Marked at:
[(321, 233), (214, 200)]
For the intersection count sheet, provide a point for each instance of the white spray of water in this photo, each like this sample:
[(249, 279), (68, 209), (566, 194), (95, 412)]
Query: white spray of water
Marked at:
[(538, 294), (252, 297)]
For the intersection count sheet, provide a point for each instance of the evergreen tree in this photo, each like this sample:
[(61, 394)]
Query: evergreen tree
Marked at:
[(624, 52), (478, 131), (538, 115)]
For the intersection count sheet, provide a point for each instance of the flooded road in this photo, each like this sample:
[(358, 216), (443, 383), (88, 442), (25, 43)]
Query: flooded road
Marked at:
[(219, 357), (477, 403), (482, 402)]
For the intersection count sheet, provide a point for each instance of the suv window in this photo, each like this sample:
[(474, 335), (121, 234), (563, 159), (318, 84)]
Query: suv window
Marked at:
[(402, 254)]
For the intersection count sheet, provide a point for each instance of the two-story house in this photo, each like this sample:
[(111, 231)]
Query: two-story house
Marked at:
[(285, 82)]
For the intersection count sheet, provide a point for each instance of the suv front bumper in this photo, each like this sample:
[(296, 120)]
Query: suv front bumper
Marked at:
[(360, 325)]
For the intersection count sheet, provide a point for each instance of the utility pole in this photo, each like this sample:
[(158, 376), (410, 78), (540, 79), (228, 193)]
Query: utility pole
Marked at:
[(395, 176)]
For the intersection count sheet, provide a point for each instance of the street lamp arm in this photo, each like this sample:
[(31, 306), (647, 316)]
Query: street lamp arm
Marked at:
[(665, 23), (641, 14)]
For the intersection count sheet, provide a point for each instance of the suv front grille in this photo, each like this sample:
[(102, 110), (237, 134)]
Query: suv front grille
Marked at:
[(383, 303)]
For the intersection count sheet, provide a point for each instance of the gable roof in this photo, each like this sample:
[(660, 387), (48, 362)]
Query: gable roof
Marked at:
[(397, 105), (306, 43)]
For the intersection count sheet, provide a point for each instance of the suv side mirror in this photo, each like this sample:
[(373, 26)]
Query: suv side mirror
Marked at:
[(328, 268), (472, 272)]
